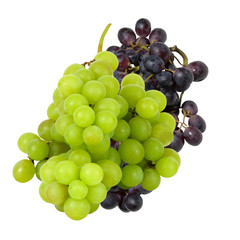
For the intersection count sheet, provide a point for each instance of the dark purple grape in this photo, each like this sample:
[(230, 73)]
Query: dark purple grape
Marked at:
[(178, 140), (138, 189), (122, 205), (164, 79), (115, 188), (133, 202), (120, 51), (143, 70), (182, 78), (161, 50), (199, 70), (123, 61), (149, 85), (153, 64), (190, 107), (143, 27), (133, 56), (119, 75), (192, 135), (198, 122), (113, 49), (173, 100), (158, 35), (112, 200), (126, 36), (124, 47), (142, 41), (142, 54)]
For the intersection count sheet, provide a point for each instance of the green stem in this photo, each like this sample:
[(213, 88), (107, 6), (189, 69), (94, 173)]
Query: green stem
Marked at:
[(183, 55), (100, 44)]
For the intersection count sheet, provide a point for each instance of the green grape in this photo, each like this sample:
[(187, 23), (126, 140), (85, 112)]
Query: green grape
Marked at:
[(159, 97), (63, 122), (140, 128), (112, 173), (85, 75), (133, 78), (162, 133), (56, 148), (143, 164), (147, 107), (38, 167), (59, 207), (168, 152), (70, 84), (25, 139), (73, 68), (84, 116), (123, 106), (80, 157), (93, 207), (96, 157), (23, 171), (91, 174), (132, 93), (151, 179), (131, 151), (55, 134), (132, 175), (108, 104), (108, 57), (111, 84), (76, 209), (92, 135), (74, 101), (167, 167), (57, 96), (66, 171), (47, 171), (73, 135), (155, 119), (37, 149), (52, 111), (128, 116), (44, 129), (102, 147), (100, 68), (56, 193), (122, 186), (122, 131), (77, 190), (114, 156), (61, 108), (106, 120), (94, 91), (96, 194), (153, 149), (42, 191), (168, 120), (57, 159)]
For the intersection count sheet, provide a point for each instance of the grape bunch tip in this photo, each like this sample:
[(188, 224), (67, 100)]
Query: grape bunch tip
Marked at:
[(113, 128)]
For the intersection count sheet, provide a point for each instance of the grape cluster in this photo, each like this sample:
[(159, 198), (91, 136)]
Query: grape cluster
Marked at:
[(109, 136)]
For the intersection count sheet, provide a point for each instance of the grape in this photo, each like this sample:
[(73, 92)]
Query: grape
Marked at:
[(126, 36), (80, 157), (94, 91), (167, 167), (123, 61), (76, 209), (111, 84), (93, 207), (77, 189), (74, 101), (151, 179), (158, 35), (102, 147), (143, 27), (55, 135), (23, 171), (112, 173), (199, 70), (42, 191), (52, 111), (106, 120), (172, 97), (96, 194), (66, 171), (122, 205), (140, 128), (57, 96), (38, 167), (190, 107), (178, 140), (122, 131), (44, 129), (73, 68), (164, 80), (159, 98), (147, 107), (70, 84), (114, 156), (138, 189), (168, 152), (111, 201), (132, 94), (56, 193), (92, 135), (198, 122), (192, 135), (131, 151), (132, 175), (161, 50), (153, 149), (133, 55), (62, 123), (123, 104), (61, 108), (85, 75), (25, 139), (84, 116), (100, 68), (182, 78), (132, 78), (109, 58), (91, 174), (133, 202), (73, 135), (167, 119), (108, 104), (113, 49), (153, 64), (37, 149)]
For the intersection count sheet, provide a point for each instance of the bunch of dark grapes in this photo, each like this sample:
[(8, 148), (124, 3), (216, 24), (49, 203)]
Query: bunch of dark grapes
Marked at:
[(144, 52)]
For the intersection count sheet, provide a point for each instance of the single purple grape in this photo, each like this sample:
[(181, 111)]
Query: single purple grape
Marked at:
[(192, 135), (199, 70), (112, 200), (190, 107), (182, 78), (178, 140), (161, 50), (143, 27), (126, 36), (158, 35), (198, 122), (153, 64)]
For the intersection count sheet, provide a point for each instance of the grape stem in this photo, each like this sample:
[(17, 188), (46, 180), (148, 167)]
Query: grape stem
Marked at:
[(183, 55), (100, 44)]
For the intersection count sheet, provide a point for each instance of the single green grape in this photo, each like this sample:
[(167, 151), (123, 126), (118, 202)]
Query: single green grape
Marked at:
[(56, 148), (23, 171), (151, 179), (37, 149), (73, 68), (24, 140), (122, 131), (167, 167), (167, 119), (102, 147), (73, 135), (100, 68), (44, 129), (168, 152), (38, 167), (108, 57), (147, 107), (61, 108), (57, 96), (42, 191), (96, 194), (77, 189), (63, 122), (106, 120), (47, 174), (123, 106), (52, 111), (91, 174), (84, 116), (99, 156), (111, 84), (93, 207), (85, 75), (80, 157), (56, 136), (108, 104), (92, 135), (72, 102), (133, 78), (132, 175), (153, 149), (114, 156), (159, 97)]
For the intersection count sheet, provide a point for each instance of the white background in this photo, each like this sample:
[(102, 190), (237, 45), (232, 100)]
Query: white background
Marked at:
[(39, 39)]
